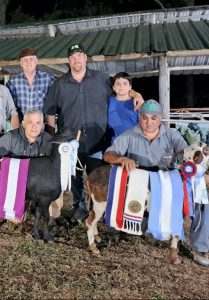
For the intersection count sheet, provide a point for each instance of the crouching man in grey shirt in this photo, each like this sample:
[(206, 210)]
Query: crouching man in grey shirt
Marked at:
[(153, 145)]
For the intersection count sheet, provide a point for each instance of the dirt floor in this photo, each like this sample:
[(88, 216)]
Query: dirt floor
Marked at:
[(130, 267)]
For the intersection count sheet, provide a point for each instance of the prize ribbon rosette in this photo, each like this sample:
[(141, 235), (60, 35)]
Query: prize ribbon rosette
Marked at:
[(188, 169)]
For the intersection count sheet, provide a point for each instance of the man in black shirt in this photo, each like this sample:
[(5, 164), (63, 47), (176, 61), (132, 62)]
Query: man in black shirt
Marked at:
[(79, 98)]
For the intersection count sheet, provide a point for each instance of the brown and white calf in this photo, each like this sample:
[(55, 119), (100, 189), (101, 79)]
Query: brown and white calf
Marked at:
[(198, 153), (96, 191)]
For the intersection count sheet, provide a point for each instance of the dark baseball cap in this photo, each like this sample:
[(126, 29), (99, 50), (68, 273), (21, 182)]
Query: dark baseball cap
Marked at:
[(28, 52), (75, 48), (151, 107)]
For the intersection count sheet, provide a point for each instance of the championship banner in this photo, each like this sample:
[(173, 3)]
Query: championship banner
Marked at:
[(13, 180), (127, 196), (165, 214), (135, 202)]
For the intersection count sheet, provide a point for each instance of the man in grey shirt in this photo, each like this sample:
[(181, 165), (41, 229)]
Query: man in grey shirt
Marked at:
[(153, 145), (7, 110), (149, 144)]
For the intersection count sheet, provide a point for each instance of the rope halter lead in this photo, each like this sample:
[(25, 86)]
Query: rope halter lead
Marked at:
[(69, 153)]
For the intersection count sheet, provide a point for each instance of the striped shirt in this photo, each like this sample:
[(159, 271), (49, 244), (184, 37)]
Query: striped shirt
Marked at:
[(30, 97)]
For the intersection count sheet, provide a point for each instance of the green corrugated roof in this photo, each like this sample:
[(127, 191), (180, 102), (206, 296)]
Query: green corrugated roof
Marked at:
[(141, 39)]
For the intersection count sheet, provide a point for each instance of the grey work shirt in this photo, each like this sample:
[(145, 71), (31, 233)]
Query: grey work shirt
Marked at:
[(7, 107), (81, 106), (160, 152)]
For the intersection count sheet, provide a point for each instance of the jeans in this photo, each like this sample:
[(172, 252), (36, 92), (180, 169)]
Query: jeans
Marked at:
[(77, 187), (199, 230)]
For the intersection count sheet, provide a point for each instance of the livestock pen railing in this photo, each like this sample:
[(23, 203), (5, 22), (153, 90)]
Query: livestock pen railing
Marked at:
[(192, 123), (190, 113)]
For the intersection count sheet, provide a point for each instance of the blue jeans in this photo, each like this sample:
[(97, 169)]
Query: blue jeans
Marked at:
[(77, 187), (199, 230)]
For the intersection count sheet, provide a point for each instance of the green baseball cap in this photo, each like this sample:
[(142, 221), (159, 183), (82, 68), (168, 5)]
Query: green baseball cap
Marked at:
[(151, 107)]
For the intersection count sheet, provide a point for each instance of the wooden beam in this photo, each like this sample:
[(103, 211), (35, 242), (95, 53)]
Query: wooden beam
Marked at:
[(189, 68), (164, 87), (103, 58), (60, 68), (185, 53), (41, 61), (200, 109), (130, 56)]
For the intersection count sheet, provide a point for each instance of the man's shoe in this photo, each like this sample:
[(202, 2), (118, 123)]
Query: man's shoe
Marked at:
[(201, 259), (80, 214)]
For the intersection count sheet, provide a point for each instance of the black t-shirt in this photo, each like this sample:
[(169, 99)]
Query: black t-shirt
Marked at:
[(81, 106)]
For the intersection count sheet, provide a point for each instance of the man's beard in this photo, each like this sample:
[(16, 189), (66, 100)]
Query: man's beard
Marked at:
[(77, 67)]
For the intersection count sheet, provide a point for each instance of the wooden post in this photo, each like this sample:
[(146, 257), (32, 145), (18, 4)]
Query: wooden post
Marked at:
[(164, 87)]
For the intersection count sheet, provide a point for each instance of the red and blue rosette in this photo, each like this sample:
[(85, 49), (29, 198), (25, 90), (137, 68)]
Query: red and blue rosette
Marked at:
[(188, 169)]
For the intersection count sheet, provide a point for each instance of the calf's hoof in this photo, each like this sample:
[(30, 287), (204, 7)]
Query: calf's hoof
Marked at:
[(52, 222), (95, 251), (174, 258), (48, 240), (36, 236), (97, 238)]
